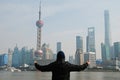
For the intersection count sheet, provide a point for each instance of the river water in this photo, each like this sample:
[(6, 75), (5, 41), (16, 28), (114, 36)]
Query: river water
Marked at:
[(36, 75)]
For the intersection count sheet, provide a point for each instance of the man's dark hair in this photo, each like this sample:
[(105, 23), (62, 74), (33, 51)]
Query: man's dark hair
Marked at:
[(60, 55)]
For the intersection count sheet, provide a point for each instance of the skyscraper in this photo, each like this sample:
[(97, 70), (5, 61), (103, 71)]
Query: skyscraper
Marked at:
[(79, 42), (107, 35), (90, 44), (103, 51), (3, 59), (79, 50), (15, 57), (107, 29), (47, 52), (10, 57), (58, 46), (90, 56), (117, 50)]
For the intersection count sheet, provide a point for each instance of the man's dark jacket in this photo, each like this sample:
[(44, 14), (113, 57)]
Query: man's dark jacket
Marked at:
[(60, 68)]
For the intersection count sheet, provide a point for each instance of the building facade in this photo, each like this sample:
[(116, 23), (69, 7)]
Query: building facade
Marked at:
[(10, 57), (90, 56), (79, 42), (15, 57), (90, 42), (3, 59), (71, 60), (79, 57), (58, 46), (117, 50), (47, 52)]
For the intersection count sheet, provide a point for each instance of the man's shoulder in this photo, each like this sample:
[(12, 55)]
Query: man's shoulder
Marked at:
[(53, 63), (68, 63)]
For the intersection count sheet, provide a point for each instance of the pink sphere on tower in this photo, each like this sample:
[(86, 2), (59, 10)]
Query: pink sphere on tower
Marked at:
[(38, 53), (39, 23)]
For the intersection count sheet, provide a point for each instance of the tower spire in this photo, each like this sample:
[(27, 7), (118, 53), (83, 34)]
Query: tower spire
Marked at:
[(40, 10)]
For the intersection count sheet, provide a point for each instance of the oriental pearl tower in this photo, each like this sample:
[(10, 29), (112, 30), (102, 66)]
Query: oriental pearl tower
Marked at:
[(39, 24)]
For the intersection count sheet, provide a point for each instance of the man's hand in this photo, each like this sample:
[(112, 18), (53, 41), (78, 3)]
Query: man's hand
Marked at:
[(35, 61), (88, 62)]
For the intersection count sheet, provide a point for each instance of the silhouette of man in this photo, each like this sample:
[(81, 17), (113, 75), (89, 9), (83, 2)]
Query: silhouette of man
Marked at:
[(60, 68)]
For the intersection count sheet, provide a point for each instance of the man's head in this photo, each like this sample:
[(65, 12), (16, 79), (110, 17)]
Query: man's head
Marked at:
[(60, 55)]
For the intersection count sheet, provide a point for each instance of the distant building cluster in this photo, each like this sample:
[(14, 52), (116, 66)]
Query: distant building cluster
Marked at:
[(17, 58), (110, 53), (90, 54), (24, 56)]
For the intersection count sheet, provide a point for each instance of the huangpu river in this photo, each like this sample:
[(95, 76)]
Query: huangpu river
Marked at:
[(36, 75)]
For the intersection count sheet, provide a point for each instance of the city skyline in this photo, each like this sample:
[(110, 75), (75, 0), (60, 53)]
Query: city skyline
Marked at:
[(63, 21)]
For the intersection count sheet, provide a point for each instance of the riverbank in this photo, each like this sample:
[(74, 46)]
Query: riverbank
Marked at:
[(101, 70), (86, 70)]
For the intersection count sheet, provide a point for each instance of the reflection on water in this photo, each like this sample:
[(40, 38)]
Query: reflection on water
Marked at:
[(47, 75)]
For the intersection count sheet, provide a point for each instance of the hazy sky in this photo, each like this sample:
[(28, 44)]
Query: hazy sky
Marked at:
[(63, 21)]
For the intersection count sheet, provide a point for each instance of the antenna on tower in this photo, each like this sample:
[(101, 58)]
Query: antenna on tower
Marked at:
[(40, 10)]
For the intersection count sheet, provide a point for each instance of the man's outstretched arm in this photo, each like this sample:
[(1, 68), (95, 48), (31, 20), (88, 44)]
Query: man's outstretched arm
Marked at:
[(42, 68), (79, 67)]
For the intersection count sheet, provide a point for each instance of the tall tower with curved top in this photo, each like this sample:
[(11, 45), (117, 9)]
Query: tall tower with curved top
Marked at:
[(107, 28), (39, 25), (107, 35)]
